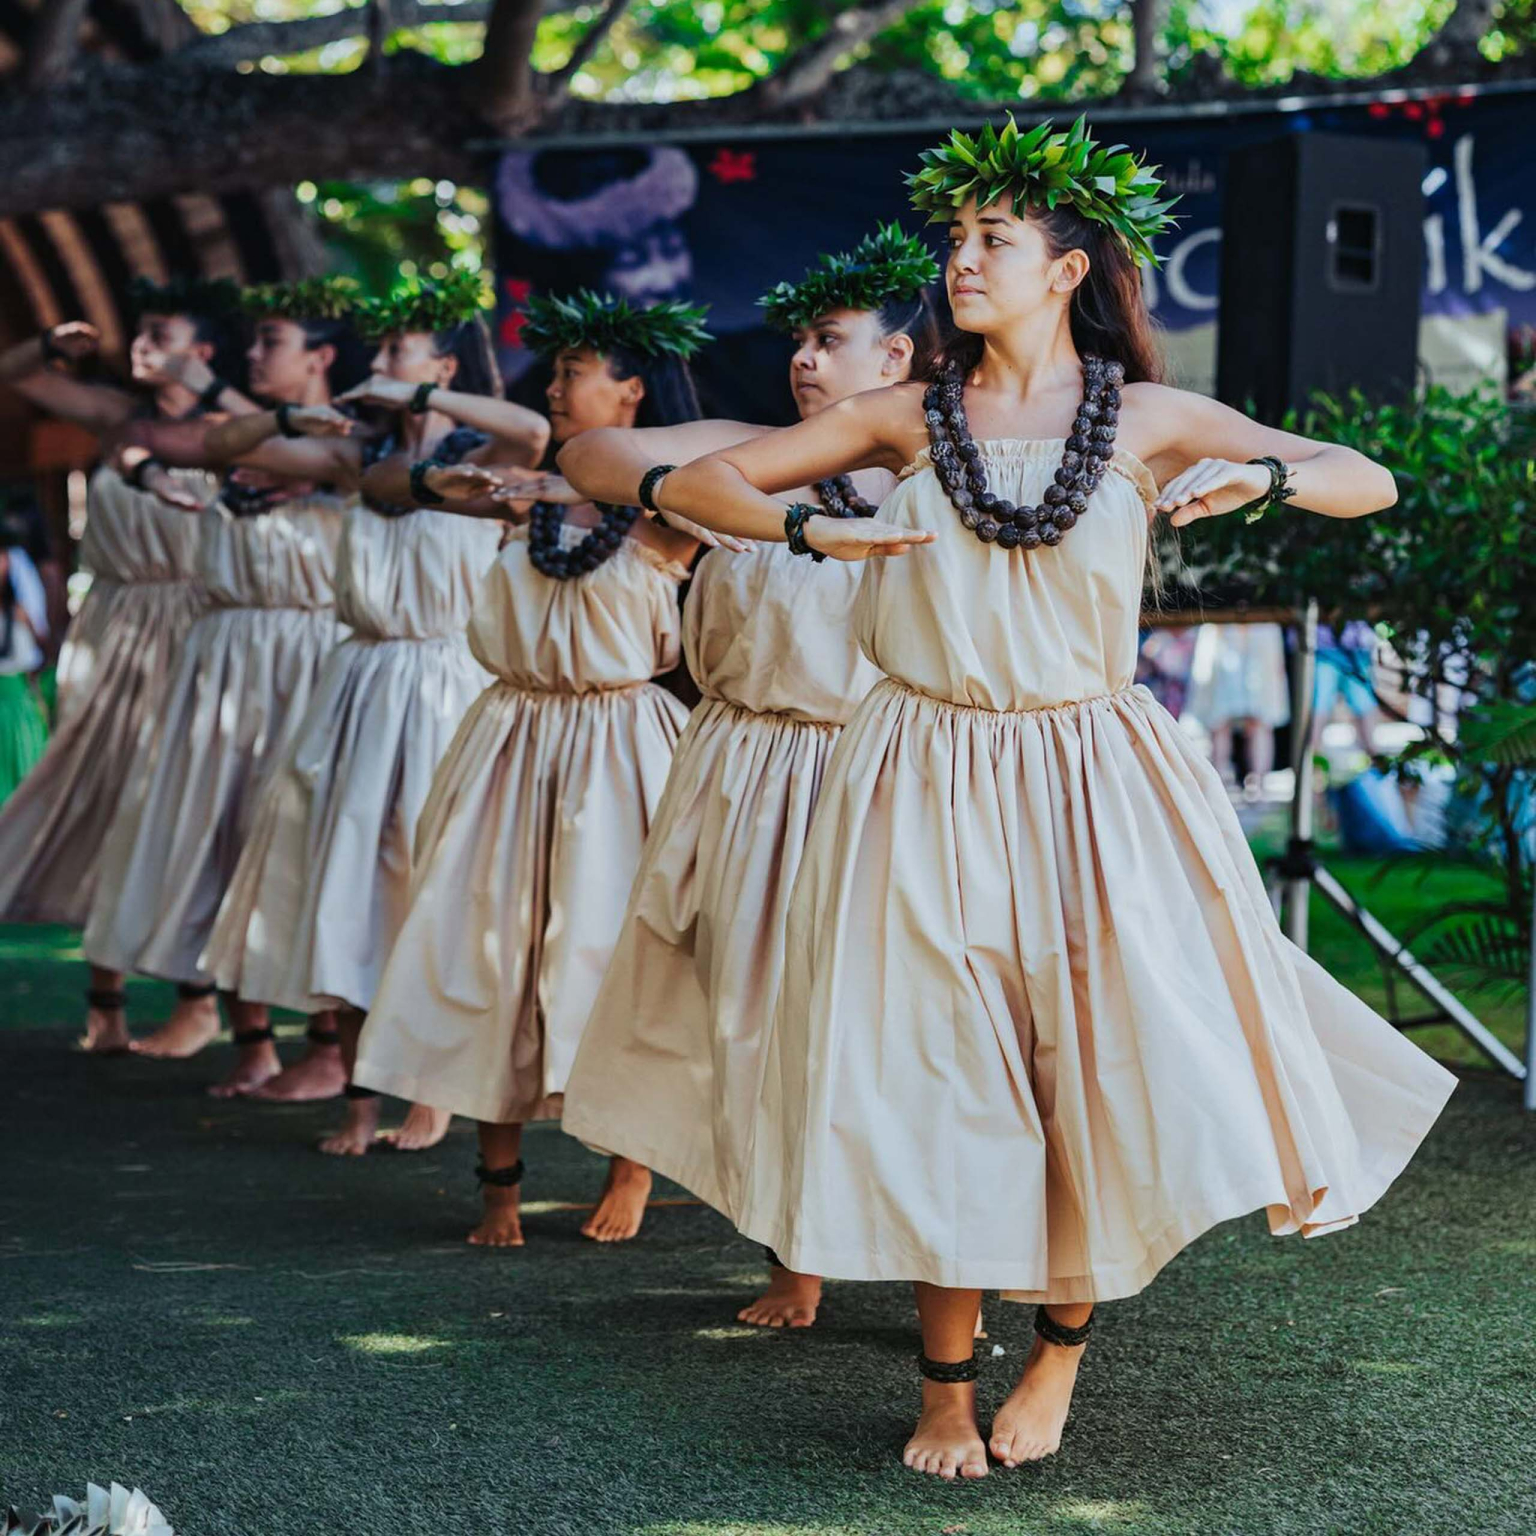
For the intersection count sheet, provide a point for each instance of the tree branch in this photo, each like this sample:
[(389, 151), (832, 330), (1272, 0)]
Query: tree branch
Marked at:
[(558, 84), (54, 40), (809, 70), (265, 39), (503, 74)]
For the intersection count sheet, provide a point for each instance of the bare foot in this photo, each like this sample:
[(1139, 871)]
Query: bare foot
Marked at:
[(622, 1208), (1028, 1426), (193, 1023), (422, 1127), (254, 1065), (789, 1302), (501, 1226), (356, 1135), (106, 1032), (946, 1442), (318, 1074)]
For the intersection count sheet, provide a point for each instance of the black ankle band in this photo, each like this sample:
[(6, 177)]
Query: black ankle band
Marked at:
[(106, 998), (949, 1371), (500, 1178), (323, 1036), (357, 1091), (1058, 1333), (189, 993), (256, 1036)]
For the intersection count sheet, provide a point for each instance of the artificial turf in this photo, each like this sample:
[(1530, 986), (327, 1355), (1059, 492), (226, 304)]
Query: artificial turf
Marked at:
[(271, 1342)]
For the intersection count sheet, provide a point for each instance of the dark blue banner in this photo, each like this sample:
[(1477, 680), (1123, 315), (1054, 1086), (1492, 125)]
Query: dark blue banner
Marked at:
[(721, 222)]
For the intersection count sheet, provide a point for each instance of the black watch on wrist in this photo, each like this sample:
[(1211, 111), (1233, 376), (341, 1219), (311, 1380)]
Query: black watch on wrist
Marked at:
[(419, 399), (285, 425), (135, 476), (52, 351)]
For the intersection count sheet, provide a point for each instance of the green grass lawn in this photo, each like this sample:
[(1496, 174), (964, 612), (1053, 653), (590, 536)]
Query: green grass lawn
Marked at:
[(271, 1342)]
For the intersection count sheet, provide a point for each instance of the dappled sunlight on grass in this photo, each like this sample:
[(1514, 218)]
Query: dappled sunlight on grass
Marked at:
[(1102, 1514), (732, 1333), (1387, 1367), (49, 1320), (391, 1343)]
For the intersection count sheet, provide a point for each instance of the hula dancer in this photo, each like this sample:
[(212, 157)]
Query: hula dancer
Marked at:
[(266, 558), (671, 1064), (144, 596), (534, 826), (1039, 1028), (321, 882), (322, 886)]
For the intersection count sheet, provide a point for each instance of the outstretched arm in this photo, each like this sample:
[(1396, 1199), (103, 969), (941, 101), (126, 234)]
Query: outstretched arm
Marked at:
[(324, 453), (96, 407), (729, 490), (1204, 451), (521, 435), (608, 463)]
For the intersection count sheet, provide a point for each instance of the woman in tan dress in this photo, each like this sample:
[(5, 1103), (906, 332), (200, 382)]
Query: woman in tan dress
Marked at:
[(671, 1064), (321, 888), (537, 815), (1039, 1028), (122, 644), (266, 561)]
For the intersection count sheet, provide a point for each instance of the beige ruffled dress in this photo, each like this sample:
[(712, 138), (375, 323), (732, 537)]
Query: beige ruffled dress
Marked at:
[(112, 675), (240, 687), (531, 836), (671, 1064), (322, 886), (1039, 1028)]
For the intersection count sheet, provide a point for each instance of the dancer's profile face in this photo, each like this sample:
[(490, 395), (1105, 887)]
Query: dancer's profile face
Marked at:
[(1000, 270), (282, 363), (413, 358), (160, 336), (584, 395), (843, 353)]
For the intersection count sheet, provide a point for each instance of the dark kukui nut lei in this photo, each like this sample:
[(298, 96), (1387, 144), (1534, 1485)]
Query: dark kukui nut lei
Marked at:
[(839, 499), (958, 463), (545, 521)]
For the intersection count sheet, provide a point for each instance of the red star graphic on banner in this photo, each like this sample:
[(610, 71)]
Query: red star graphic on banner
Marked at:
[(733, 165), (512, 324)]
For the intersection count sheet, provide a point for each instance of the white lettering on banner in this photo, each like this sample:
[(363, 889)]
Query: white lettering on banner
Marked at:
[(1179, 289), (1479, 253), (1434, 254)]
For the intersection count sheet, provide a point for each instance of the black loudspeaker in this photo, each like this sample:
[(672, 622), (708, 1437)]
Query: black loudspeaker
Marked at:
[(1322, 255)]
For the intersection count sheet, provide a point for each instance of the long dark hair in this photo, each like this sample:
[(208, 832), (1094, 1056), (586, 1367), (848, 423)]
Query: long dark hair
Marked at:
[(1109, 310), (670, 394), (470, 343)]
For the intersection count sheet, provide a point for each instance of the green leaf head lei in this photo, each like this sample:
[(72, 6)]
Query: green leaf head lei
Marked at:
[(887, 265), (333, 297), (424, 304), (1067, 168), (606, 324)]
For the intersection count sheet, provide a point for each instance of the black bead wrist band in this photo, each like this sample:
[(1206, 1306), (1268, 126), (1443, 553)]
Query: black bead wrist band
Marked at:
[(794, 530), (647, 493), (419, 399), (1279, 491), (420, 491), (949, 1371), (283, 415)]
